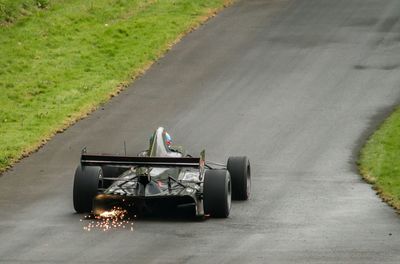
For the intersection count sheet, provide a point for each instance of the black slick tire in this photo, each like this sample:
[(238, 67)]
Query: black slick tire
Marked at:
[(239, 169), (86, 183), (217, 193)]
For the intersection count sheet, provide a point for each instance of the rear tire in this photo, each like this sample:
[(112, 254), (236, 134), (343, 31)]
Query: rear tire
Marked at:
[(112, 171), (86, 183), (217, 193), (239, 169)]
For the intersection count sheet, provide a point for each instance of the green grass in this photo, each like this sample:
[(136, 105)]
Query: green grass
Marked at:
[(11, 10), (58, 63), (379, 162)]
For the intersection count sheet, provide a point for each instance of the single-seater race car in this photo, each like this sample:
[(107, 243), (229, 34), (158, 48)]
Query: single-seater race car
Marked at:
[(159, 178)]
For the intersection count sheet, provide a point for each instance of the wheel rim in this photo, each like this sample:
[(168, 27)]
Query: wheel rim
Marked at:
[(229, 196), (101, 181), (248, 182)]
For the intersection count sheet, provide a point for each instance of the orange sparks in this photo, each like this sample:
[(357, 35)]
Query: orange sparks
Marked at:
[(108, 220)]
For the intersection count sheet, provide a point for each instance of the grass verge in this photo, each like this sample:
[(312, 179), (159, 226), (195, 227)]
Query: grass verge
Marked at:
[(60, 63), (379, 161), (11, 10)]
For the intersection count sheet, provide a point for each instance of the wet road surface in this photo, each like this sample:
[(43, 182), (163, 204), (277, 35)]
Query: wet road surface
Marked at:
[(295, 85)]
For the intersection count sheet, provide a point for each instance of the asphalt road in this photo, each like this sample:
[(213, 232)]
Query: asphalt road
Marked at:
[(295, 85)]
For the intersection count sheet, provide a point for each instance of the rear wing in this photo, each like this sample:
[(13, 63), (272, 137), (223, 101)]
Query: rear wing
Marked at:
[(127, 161)]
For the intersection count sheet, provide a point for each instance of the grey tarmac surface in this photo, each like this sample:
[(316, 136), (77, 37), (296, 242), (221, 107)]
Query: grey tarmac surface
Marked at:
[(295, 85)]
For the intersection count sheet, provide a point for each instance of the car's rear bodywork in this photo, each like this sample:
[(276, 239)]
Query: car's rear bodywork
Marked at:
[(149, 182)]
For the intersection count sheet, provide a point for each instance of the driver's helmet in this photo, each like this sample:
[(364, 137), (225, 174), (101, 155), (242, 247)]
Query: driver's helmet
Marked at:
[(168, 139)]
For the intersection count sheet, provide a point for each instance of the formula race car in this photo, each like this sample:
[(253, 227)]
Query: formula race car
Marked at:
[(160, 178)]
